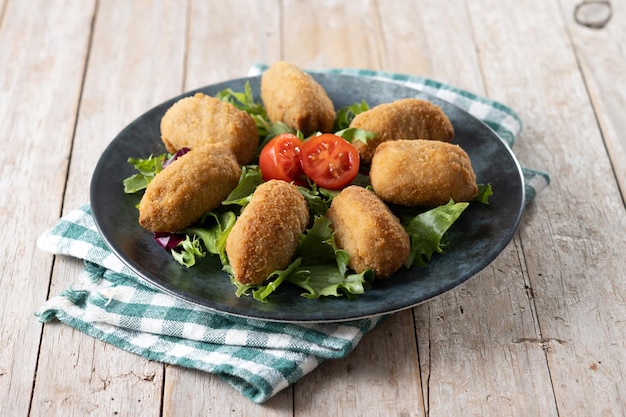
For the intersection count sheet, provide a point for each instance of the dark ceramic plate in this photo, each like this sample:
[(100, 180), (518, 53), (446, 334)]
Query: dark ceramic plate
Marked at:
[(476, 238)]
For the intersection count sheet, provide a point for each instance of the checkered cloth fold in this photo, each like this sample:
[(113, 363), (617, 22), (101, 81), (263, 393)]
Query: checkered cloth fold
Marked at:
[(258, 358)]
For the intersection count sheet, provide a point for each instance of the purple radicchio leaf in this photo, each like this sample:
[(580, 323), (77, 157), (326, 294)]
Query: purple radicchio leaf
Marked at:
[(168, 241), (174, 157)]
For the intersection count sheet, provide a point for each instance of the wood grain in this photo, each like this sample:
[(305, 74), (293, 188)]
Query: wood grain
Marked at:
[(366, 382), (327, 34), (131, 67), (243, 41), (39, 94), (601, 56), (577, 285), (193, 393)]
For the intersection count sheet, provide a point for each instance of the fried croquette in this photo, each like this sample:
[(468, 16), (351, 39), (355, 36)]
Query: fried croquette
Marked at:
[(408, 118), (422, 173), (370, 233), (293, 97), (201, 119), (266, 234), (195, 183)]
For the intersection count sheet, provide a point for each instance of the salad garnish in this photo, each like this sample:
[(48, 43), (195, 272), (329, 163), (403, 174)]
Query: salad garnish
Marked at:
[(319, 267)]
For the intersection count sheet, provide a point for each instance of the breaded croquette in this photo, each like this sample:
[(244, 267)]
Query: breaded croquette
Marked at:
[(408, 118), (266, 234), (201, 119), (293, 97), (195, 183), (370, 233), (422, 173)]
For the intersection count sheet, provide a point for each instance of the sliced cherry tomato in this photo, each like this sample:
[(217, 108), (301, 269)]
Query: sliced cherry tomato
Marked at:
[(280, 159), (329, 160)]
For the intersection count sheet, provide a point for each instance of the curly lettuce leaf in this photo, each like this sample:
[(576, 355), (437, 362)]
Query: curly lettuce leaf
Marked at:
[(187, 251), (279, 128), (324, 268), (353, 134), (148, 168), (248, 181), (326, 280), (262, 292), (427, 231), (318, 199), (317, 243), (345, 115), (213, 236)]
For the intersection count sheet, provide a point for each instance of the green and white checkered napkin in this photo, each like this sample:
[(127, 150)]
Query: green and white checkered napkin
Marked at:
[(258, 358)]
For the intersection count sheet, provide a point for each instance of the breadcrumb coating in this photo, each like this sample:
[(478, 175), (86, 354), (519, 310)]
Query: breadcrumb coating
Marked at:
[(192, 185), (408, 118), (266, 234), (370, 233), (200, 119), (293, 97), (422, 173)]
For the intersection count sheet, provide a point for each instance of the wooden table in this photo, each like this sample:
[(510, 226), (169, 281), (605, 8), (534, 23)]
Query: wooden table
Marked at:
[(540, 332)]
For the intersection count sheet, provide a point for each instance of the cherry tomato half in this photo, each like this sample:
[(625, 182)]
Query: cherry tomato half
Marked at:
[(280, 159), (329, 160)]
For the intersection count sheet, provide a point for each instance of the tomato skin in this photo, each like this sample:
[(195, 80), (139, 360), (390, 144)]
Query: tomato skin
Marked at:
[(329, 160), (280, 159)]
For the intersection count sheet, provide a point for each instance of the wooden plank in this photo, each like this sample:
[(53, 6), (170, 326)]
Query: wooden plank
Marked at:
[(43, 45), (231, 42), (404, 37), (317, 34), (366, 382), (480, 347), (188, 392), (601, 57), (474, 360), (134, 64), (572, 236), (194, 393)]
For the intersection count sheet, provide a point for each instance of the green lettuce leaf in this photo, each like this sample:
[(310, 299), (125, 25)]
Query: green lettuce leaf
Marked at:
[(352, 134), (279, 128), (214, 235), (345, 115), (317, 243), (318, 199), (324, 267), (248, 181), (262, 292), (326, 280), (484, 192), (427, 231), (187, 251), (148, 168)]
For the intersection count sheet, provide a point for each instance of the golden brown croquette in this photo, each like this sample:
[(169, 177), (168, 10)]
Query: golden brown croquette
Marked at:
[(422, 173), (201, 119), (408, 118), (192, 185), (293, 97), (266, 234), (370, 233)]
